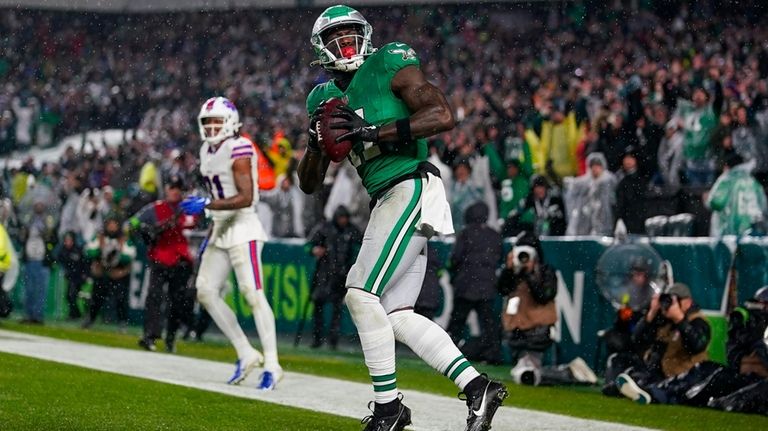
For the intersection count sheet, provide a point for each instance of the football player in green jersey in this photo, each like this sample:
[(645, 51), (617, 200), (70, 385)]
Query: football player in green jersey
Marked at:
[(390, 109)]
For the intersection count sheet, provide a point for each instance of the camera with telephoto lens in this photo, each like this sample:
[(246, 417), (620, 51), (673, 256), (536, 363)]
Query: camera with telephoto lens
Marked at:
[(666, 300), (521, 255)]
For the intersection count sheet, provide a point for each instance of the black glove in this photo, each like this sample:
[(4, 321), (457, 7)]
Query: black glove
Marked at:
[(357, 128), (313, 144)]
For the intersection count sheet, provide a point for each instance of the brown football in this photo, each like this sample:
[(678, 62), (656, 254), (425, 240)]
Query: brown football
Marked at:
[(326, 136)]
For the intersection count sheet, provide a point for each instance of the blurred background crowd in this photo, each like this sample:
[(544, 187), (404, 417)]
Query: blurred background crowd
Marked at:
[(573, 118), (569, 117)]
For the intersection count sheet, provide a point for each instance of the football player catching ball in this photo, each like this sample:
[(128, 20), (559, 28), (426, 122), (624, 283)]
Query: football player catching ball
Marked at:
[(389, 109)]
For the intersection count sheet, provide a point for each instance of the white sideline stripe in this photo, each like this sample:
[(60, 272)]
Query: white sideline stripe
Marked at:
[(343, 398)]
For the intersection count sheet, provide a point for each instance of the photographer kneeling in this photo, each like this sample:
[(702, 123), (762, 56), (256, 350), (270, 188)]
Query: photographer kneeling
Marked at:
[(674, 335), (529, 314)]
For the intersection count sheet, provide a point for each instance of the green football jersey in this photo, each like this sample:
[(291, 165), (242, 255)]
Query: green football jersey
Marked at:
[(370, 95)]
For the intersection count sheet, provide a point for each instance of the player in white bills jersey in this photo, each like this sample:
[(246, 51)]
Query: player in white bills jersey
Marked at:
[(228, 165)]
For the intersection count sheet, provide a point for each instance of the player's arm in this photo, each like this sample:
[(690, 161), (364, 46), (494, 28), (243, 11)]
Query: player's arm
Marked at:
[(314, 164), (430, 112), (311, 170), (241, 171)]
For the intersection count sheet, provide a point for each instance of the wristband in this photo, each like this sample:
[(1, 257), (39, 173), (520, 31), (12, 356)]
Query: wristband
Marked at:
[(403, 126)]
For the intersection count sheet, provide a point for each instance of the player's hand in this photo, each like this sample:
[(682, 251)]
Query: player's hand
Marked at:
[(313, 143), (194, 205), (357, 128)]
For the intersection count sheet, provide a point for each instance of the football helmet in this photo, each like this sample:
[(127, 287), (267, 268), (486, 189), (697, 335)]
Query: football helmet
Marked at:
[(219, 107), (329, 52)]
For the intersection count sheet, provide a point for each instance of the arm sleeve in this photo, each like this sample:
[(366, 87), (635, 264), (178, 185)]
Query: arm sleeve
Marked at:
[(496, 164), (143, 222), (695, 335), (718, 196)]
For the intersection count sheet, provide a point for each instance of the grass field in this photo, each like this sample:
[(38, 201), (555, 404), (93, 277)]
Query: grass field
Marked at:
[(138, 404), (39, 395)]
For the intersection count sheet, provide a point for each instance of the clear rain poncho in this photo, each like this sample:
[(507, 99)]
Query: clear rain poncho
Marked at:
[(590, 201)]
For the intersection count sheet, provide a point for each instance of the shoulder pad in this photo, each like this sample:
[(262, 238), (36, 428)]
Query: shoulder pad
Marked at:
[(397, 55), (243, 140), (316, 96)]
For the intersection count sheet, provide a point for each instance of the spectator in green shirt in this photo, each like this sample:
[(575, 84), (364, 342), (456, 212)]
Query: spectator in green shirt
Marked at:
[(514, 190)]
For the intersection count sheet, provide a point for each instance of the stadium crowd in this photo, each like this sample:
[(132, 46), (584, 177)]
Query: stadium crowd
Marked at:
[(569, 119), (660, 99)]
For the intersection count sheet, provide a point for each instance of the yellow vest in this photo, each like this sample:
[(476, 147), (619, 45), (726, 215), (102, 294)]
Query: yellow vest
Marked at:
[(6, 250)]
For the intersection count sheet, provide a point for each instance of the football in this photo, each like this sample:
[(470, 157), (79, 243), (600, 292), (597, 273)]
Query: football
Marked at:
[(326, 136)]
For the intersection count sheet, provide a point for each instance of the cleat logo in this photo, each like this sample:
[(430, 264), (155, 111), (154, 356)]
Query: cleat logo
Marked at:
[(481, 409)]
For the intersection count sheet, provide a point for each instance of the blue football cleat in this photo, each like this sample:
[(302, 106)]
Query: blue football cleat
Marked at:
[(268, 380), (243, 368), (239, 374)]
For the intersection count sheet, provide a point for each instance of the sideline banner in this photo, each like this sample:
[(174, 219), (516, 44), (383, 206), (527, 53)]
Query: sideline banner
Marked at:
[(702, 263)]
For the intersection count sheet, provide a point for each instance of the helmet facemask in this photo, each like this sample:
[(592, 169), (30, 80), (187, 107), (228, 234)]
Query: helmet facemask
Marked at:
[(331, 55), (211, 130), (228, 126)]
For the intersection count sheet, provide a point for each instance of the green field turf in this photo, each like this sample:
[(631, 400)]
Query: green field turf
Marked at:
[(584, 402), (41, 395)]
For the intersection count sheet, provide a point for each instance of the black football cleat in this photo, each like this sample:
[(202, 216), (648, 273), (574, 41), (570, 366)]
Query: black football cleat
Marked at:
[(483, 404), (396, 422), (147, 344)]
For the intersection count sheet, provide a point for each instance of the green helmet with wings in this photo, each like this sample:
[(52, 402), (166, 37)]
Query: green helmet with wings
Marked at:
[(331, 55)]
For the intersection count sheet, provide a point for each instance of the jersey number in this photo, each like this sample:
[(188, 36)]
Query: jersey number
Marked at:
[(217, 183)]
